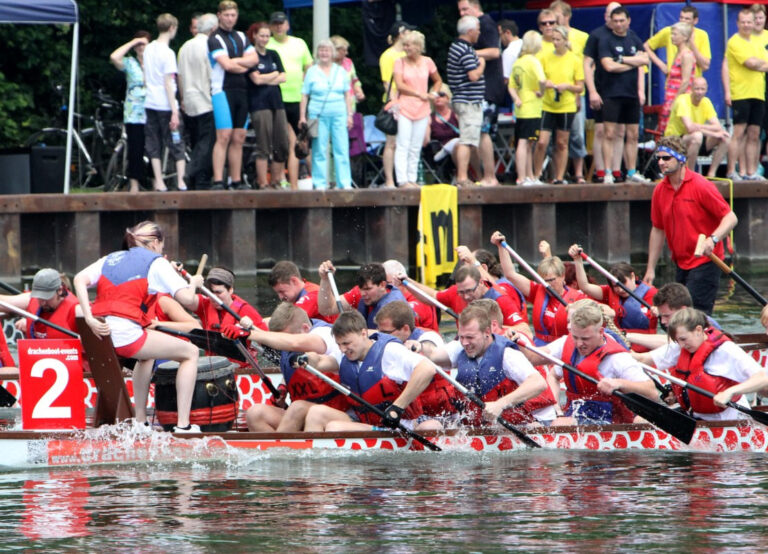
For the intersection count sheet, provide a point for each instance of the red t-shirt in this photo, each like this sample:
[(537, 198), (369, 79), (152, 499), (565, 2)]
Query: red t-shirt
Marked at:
[(696, 207), (308, 303), (450, 297), (426, 316), (213, 319)]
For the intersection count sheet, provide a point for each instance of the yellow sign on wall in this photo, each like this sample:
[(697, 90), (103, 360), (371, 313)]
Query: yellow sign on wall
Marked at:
[(438, 227)]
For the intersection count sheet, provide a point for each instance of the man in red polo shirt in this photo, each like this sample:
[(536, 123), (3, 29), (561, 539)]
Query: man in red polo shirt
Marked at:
[(684, 205), (285, 279)]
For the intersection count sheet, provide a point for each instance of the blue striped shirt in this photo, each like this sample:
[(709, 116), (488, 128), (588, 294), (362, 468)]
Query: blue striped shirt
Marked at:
[(462, 58)]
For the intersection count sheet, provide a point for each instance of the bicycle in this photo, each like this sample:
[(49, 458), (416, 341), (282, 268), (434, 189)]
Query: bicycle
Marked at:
[(88, 165)]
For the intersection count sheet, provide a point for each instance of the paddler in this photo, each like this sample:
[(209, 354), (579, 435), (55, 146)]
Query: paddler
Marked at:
[(128, 282), (493, 368), (593, 351), (381, 370), (293, 333), (289, 286), (708, 358), (550, 318)]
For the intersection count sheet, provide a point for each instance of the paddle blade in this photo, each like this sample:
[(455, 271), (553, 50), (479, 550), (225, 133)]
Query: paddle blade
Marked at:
[(760, 417), (7, 400), (677, 424), (216, 342), (519, 433)]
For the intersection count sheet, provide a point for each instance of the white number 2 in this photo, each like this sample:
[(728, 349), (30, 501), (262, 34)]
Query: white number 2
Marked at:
[(43, 408)]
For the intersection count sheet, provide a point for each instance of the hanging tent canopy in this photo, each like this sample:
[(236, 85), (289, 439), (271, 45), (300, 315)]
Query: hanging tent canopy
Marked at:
[(50, 12)]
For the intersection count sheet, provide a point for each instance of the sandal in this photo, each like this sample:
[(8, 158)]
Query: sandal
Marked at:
[(559, 182), (580, 180), (465, 183)]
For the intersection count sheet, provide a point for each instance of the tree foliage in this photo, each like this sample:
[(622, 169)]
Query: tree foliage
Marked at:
[(37, 57)]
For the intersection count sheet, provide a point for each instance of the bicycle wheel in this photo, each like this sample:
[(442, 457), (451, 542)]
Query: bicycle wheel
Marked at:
[(115, 176), (102, 146)]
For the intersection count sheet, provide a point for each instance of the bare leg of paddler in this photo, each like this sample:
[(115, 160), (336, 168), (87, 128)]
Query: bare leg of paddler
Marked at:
[(319, 416), (142, 375), (262, 418), (294, 417)]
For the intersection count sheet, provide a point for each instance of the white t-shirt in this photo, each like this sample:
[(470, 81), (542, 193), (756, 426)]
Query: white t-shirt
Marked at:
[(433, 337), (510, 55), (161, 278), (397, 363), (159, 61), (615, 366), (331, 348), (516, 367), (728, 361)]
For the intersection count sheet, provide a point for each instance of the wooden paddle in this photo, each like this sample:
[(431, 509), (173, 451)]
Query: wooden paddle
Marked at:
[(612, 279), (335, 290), (476, 400), (201, 265), (728, 271), (360, 400), (677, 424), (533, 273), (37, 319), (761, 417), (434, 301)]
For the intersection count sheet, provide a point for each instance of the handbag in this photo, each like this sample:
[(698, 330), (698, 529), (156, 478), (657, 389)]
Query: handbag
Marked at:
[(385, 120)]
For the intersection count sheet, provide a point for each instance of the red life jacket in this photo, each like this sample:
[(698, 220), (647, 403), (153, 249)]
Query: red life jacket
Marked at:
[(63, 316), (6, 360), (578, 388), (303, 385), (541, 302), (631, 315), (440, 397), (690, 368), (213, 319), (122, 289)]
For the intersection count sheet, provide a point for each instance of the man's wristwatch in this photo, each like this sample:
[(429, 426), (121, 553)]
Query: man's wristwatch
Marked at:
[(621, 58), (714, 238)]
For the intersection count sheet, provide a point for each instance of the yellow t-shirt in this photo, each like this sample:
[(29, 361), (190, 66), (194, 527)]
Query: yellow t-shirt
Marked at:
[(386, 66), (525, 77), (567, 68), (745, 83), (762, 39), (578, 40), (663, 39), (683, 107)]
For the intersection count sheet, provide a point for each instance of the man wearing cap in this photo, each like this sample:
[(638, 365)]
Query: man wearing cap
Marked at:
[(50, 300), (684, 205), (296, 59)]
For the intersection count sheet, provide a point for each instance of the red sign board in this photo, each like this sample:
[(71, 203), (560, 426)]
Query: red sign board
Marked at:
[(51, 380)]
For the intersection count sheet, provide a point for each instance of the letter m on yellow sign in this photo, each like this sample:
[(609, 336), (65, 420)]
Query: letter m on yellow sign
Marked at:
[(438, 227)]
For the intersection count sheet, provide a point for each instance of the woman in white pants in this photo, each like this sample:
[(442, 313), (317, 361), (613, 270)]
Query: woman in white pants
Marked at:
[(412, 75)]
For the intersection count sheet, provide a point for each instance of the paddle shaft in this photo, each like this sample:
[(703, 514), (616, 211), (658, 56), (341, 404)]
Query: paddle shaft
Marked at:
[(607, 274), (434, 301), (533, 273), (738, 278), (36, 319), (335, 290), (762, 417), (215, 298), (201, 265), (9, 288), (519, 433), (360, 400)]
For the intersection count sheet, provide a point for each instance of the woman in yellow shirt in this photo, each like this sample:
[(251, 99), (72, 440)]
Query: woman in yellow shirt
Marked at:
[(525, 87), (564, 82)]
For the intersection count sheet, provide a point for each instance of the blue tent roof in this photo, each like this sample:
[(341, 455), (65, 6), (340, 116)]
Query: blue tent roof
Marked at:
[(38, 11)]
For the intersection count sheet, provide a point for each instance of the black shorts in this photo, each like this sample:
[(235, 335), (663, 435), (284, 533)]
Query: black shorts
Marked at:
[(621, 110), (552, 122), (238, 107), (597, 115), (749, 111), (293, 113), (528, 129), (157, 134)]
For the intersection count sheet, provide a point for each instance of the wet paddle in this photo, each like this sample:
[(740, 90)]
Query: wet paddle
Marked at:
[(677, 424), (476, 400), (37, 319), (612, 279), (434, 301), (9, 288), (335, 290), (360, 400), (758, 416), (729, 271), (533, 273)]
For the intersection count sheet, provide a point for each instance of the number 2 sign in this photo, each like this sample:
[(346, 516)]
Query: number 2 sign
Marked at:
[(51, 380)]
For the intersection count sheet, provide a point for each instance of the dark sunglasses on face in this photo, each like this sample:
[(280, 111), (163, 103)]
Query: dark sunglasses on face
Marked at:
[(442, 94), (663, 158), (547, 23)]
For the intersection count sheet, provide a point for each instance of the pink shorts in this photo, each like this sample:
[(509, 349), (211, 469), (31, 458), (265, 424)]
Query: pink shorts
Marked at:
[(129, 350)]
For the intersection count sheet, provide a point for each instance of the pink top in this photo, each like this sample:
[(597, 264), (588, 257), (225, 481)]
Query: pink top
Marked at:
[(415, 77)]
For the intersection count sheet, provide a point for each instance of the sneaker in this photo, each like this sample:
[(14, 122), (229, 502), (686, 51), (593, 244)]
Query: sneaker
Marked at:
[(241, 185), (639, 178), (754, 177), (608, 179), (536, 181), (218, 185), (734, 177), (188, 429)]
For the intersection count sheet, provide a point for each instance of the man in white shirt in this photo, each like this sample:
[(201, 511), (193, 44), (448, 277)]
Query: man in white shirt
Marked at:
[(511, 45), (163, 128), (196, 106)]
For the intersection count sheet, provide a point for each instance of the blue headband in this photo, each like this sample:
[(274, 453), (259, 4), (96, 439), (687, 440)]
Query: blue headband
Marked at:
[(677, 155)]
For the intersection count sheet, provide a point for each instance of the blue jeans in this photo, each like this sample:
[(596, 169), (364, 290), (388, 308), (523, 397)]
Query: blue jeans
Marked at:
[(335, 128)]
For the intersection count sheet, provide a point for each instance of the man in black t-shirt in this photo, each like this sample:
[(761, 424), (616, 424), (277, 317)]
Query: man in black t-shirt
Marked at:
[(622, 56), (488, 47)]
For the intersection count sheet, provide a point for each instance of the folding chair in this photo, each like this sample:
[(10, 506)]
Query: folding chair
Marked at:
[(651, 133)]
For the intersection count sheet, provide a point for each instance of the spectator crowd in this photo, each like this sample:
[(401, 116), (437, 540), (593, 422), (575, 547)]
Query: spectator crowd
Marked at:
[(194, 109)]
